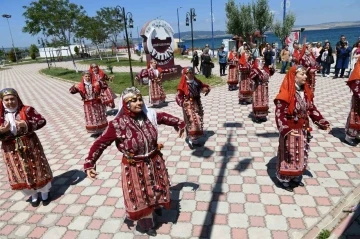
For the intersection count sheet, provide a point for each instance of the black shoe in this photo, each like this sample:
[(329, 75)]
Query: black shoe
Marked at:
[(350, 142), (47, 201), (36, 203), (189, 144), (300, 184), (152, 232)]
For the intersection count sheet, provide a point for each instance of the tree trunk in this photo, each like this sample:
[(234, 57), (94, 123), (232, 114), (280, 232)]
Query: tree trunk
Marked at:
[(97, 46), (73, 60)]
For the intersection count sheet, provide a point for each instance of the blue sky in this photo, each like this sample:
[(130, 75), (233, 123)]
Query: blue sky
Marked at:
[(307, 12)]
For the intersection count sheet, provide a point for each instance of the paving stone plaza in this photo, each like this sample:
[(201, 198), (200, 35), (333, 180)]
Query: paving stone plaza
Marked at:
[(226, 189)]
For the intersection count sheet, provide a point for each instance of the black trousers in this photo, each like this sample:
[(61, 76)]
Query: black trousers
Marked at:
[(341, 73), (222, 68)]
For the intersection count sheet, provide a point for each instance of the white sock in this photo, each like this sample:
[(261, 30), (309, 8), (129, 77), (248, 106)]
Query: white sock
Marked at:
[(44, 196), (34, 197)]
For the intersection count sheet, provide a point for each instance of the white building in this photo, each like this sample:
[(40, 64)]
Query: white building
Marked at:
[(59, 51)]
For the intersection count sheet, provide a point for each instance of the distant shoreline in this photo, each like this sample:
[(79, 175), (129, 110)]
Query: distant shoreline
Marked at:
[(307, 28)]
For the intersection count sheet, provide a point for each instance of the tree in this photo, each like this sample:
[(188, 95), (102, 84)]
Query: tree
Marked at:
[(262, 16), (91, 28), (33, 50), (58, 19), (283, 29), (247, 21), (76, 50), (110, 25), (11, 56), (239, 19)]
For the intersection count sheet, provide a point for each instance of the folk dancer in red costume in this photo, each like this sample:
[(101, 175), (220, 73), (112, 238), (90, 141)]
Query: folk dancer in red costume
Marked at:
[(27, 167), (95, 114), (352, 127), (308, 60), (259, 77), (245, 92), (154, 75), (145, 181), (189, 99), (295, 55), (294, 105), (233, 77), (107, 95)]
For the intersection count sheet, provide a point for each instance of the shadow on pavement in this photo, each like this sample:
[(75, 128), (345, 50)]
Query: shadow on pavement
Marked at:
[(62, 182)]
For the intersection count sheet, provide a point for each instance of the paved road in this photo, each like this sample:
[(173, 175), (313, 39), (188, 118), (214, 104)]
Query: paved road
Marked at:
[(235, 196)]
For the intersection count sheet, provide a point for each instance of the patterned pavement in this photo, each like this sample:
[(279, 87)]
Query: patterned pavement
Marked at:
[(224, 190)]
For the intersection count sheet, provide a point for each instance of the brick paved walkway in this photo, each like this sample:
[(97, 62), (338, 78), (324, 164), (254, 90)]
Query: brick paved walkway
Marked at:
[(234, 198)]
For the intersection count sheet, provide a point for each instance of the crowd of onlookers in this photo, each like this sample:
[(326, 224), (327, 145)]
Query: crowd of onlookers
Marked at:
[(343, 55)]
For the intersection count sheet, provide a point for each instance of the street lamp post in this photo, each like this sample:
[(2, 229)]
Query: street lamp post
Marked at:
[(177, 10), (212, 29), (127, 18), (7, 16), (41, 42), (192, 18)]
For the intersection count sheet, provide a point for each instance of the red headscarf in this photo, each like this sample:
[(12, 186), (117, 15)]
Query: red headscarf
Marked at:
[(100, 72), (94, 84), (243, 60), (183, 86), (288, 90), (355, 74)]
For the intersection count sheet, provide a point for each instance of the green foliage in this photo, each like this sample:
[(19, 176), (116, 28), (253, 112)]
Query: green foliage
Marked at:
[(324, 234), (283, 29), (233, 23), (244, 19), (110, 25), (76, 50), (58, 19), (122, 80), (11, 56), (33, 55), (262, 16), (91, 28), (33, 50)]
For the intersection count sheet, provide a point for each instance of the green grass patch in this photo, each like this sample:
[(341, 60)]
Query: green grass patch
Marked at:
[(324, 234), (113, 62), (123, 80)]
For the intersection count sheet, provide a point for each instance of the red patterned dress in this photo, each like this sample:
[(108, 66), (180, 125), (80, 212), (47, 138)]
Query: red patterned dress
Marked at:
[(260, 81), (145, 181), (233, 77), (189, 99), (95, 112), (23, 155), (309, 62), (107, 96), (293, 150), (245, 91), (157, 94), (352, 127)]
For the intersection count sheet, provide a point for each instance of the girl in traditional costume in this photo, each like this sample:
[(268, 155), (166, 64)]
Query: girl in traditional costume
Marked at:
[(189, 99), (154, 75), (107, 96), (95, 112), (308, 60), (259, 77), (27, 167), (145, 181), (294, 105), (233, 77), (352, 127), (245, 92)]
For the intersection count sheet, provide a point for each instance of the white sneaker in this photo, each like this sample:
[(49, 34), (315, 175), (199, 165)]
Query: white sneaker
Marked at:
[(327, 75)]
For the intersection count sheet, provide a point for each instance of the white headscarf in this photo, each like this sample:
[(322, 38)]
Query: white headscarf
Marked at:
[(10, 115), (150, 113)]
